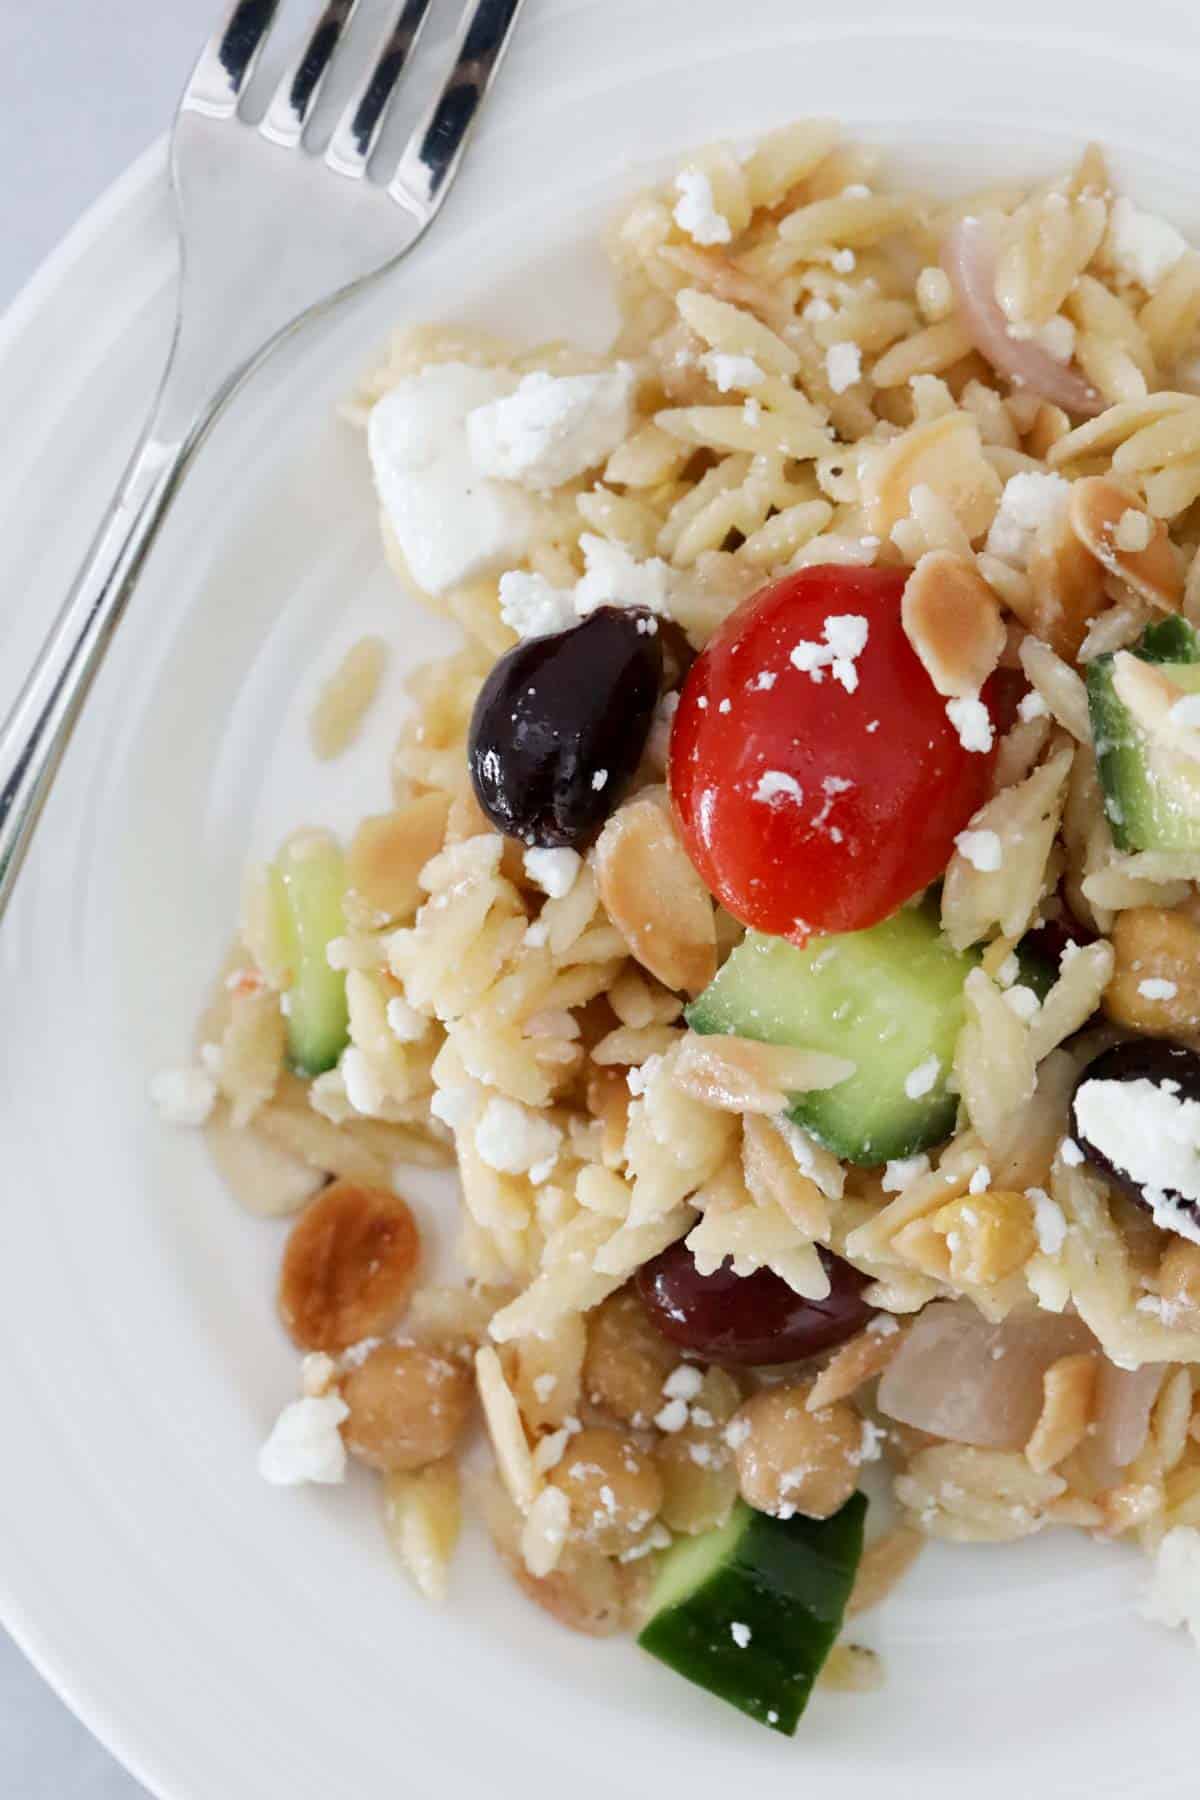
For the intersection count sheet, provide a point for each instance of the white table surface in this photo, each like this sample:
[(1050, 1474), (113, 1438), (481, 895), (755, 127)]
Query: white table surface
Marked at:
[(85, 85)]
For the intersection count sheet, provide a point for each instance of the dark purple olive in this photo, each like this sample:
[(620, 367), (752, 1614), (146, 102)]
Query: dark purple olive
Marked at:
[(1137, 1155), (560, 725), (749, 1319)]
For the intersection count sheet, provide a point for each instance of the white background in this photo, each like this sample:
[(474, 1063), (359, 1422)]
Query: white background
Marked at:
[(85, 85)]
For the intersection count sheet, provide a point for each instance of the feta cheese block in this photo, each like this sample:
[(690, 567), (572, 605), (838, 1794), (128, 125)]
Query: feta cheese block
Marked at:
[(452, 523), (553, 428)]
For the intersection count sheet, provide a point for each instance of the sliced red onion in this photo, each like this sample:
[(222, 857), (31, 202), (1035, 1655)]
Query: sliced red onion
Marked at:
[(960, 1377), (969, 262)]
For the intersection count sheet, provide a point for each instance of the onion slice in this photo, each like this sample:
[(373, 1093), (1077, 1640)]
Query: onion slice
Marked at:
[(969, 262)]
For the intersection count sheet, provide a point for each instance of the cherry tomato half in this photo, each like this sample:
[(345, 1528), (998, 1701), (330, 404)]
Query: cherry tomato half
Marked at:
[(817, 777)]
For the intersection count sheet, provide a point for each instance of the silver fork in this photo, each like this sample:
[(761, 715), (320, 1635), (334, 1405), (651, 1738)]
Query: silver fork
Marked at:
[(270, 234)]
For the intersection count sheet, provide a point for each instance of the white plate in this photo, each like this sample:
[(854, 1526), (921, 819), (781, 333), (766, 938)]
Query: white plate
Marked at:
[(224, 1638)]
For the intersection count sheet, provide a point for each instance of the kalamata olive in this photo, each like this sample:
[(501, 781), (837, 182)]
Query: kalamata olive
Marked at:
[(1135, 1114), (560, 725), (749, 1319)]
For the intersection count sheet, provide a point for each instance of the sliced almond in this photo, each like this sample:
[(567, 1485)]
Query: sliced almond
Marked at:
[(1068, 1390), (742, 1075), (1151, 696), (1066, 589), (945, 454), (952, 620), (386, 856), (1100, 518), (654, 896)]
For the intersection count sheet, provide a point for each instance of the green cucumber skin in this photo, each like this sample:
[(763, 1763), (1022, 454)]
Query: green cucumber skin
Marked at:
[(1147, 809), (789, 1580), (311, 885), (886, 998)]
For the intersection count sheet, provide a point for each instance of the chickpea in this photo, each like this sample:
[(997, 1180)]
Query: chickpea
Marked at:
[(613, 1488), (627, 1360), (349, 1268), (699, 1479), (791, 1460), (408, 1407), (1158, 949)]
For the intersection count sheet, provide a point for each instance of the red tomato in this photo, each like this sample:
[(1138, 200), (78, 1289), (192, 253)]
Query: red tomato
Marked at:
[(813, 795)]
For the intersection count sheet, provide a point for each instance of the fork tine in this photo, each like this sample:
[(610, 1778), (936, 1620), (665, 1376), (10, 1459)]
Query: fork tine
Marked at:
[(300, 87), (228, 59), (350, 148), (435, 149)]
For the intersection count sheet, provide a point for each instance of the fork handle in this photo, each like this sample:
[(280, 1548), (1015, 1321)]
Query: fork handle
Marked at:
[(38, 729)]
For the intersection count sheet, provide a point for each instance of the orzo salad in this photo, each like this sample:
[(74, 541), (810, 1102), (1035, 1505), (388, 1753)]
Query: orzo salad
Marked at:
[(787, 920)]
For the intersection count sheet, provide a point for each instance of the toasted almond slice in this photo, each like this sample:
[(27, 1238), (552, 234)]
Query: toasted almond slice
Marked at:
[(1106, 520), (654, 896), (742, 1075), (1068, 1390), (1066, 587), (857, 1361), (1151, 696), (952, 620), (945, 454)]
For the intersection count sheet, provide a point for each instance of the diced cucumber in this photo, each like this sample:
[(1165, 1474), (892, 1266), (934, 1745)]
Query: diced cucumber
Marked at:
[(750, 1611), (309, 879), (888, 999), (1151, 791)]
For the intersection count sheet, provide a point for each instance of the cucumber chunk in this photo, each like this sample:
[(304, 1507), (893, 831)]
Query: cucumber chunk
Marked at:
[(1151, 791), (888, 999), (750, 1611), (309, 885)]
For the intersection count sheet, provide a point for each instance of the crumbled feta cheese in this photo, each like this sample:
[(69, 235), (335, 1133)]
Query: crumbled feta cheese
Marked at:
[(306, 1444), (727, 372), (843, 261), (817, 311), (673, 1416), (696, 209), (613, 577), (774, 785), (554, 871), (741, 1634), (981, 849), (1032, 706), (405, 1023), (364, 1090), (902, 1171), (531, 607), (452, 524), (553, 428), (515, 1140), (1023, 1001), (1049, 1221), (1141, 245), (921, 1080), (1133, 530), (1153, 1137), (980, 1181), (1070, 1152), (972, 721), (544, 1386), (752, 411), (873, 1440), (1172, 1596), (843, 366), (183, 1096), (845, 640), (883, 1325), (1056, 337), (638, 1080), (683, 1383), (1029, 501), (736, 1433), (1153, 988)]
